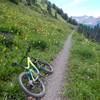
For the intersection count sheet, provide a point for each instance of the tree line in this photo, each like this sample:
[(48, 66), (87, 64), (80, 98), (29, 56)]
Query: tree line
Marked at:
[(61, 13), (49, 9), (91, 32), (28, 2)]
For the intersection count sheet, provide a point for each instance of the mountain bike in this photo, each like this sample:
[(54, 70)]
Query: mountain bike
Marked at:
[(30, 82)]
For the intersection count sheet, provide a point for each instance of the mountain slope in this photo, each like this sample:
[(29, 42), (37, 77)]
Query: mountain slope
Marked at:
[(21, 27), (90, 20)]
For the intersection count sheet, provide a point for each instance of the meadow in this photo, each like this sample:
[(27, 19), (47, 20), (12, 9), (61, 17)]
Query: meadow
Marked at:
[(83, 75), (21, 27)]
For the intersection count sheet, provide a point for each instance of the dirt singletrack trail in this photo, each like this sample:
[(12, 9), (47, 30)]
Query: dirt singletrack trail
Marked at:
[(55, 82)]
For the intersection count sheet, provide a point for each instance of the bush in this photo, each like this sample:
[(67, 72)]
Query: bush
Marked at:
[(14, 1), (42, 45), (12, 91), (12, 29), (7, 41), (59, 30), (84, 52)]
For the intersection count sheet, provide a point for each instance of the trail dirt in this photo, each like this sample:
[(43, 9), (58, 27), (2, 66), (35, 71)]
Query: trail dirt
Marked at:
[(56, 80)]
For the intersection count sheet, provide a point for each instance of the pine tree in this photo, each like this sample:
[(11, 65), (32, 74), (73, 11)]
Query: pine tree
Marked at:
[(49, 7)]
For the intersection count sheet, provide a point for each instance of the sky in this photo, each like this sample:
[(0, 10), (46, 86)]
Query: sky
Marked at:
[(79, 7)]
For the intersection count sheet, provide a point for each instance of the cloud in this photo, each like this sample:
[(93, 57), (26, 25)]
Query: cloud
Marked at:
[(72, 4), (75, 2)]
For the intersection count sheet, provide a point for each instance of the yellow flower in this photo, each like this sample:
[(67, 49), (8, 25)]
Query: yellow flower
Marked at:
[(4, 49), (0, 60), (4, 37), (16, 48), (25, 38)]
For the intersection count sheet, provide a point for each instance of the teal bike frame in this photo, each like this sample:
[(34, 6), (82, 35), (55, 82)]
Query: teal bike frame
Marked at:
[(32, 70)]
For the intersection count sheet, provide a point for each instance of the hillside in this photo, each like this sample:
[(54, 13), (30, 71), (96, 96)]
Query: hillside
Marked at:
[(21, 27)]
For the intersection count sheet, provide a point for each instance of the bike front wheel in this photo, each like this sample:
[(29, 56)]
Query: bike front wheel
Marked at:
[(43, 65), (36, 89)]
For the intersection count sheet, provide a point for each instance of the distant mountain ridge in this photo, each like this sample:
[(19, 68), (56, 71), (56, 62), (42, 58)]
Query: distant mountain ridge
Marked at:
[(90, 20)]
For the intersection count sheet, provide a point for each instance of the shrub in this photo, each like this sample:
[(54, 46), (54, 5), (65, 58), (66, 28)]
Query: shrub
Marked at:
[(42, 45), (12, 29), (7, 41), (59, 30), (14, 1), (84, 52)]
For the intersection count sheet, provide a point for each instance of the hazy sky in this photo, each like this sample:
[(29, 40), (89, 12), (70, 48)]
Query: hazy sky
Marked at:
[(79, 7)]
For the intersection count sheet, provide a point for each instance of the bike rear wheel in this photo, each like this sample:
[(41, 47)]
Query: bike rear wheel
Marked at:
[(37, 89)]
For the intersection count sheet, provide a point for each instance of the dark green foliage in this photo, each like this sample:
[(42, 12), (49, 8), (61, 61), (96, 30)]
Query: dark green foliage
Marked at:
[(10, 91), (34, 1), (7, 41), (65, 16), (14, 1), (60, 11), (59, 30), (56, 15), (29, 2), (85, 53), (49, 6), (90, 32), (42, 45), (72, 21), (54, 6), (7, 34), (7, 30), (44, 1)]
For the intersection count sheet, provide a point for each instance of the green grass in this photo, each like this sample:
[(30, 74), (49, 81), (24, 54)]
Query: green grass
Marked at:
[(25, 26), (83, 82)]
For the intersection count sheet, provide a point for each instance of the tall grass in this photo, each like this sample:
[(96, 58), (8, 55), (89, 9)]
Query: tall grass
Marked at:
[(21, 27), (83, 81)]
